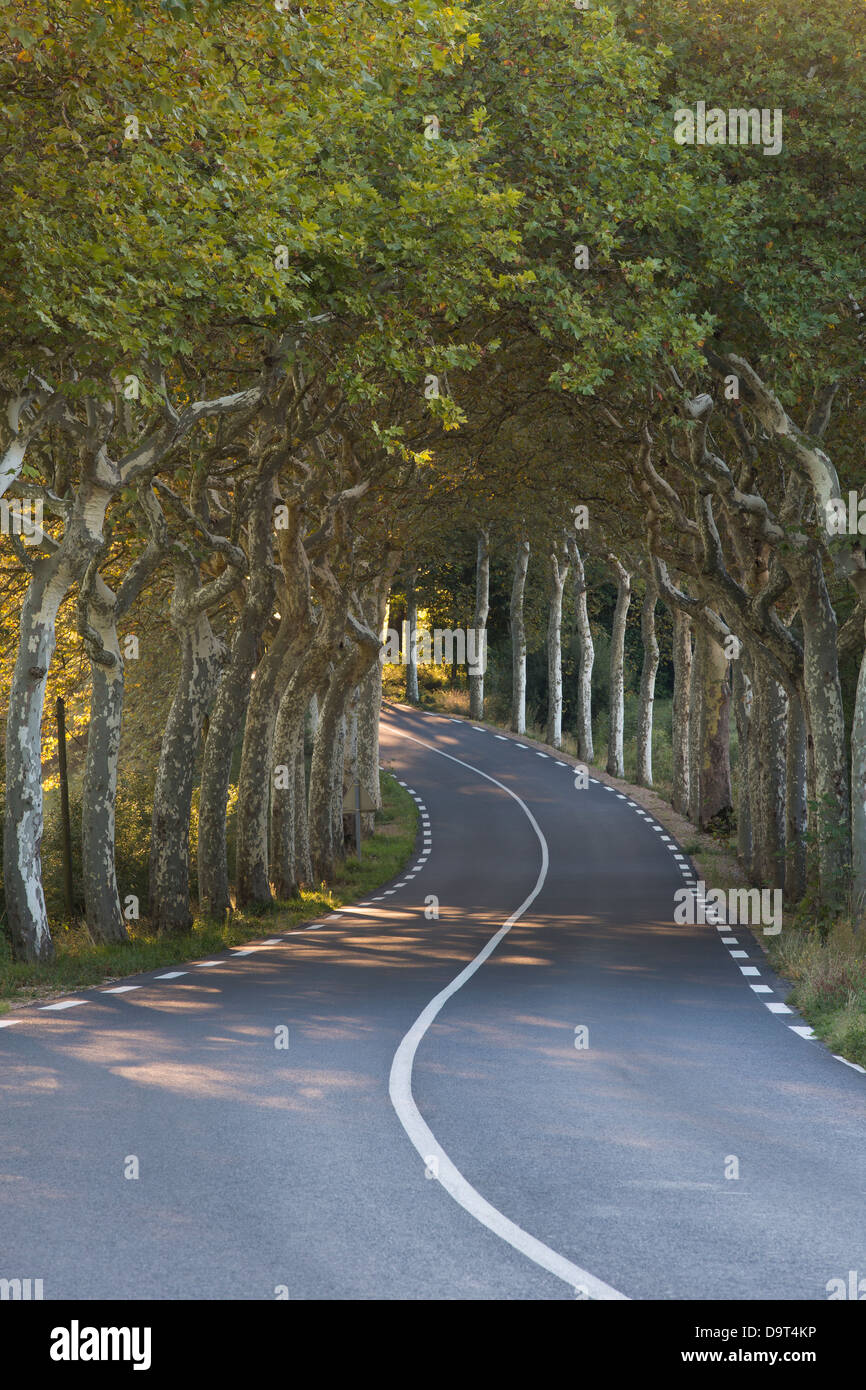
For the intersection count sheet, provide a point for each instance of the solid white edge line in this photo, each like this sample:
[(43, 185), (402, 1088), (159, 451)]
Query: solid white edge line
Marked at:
[(420, 1134)]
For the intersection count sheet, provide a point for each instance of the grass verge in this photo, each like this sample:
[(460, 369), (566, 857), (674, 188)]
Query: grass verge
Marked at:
[(81, 964)]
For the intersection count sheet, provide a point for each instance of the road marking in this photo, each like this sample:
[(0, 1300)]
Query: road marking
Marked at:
[(803, 1032), (420, 1134), (520, 745), (120, 989), (559, 764), (62, 1004), (478, 729), (740, 955), (172, 975), (761, 989), (777, 1008), (730, 941), (749, 970), (541, 755), (849, 1064), (501, 737), (9, 1022)]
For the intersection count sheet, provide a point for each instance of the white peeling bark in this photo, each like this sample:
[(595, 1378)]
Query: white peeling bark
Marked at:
[(649, 671), (680, 714), (518, 640), (558, 575), (479, 621), (586, 657), (411, 656), (104, 916), (615, 757)]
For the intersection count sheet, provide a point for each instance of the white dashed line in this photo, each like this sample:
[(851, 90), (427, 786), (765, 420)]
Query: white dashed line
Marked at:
[(777, 1008), (62, 1004), (120, 989), (172, 975)]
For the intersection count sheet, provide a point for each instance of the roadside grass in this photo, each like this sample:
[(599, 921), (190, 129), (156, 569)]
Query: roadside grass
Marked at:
[(80, 964), (828, 972)]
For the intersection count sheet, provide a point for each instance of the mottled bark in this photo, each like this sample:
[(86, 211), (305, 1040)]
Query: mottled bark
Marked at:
[(742, 702), (104, 917), (646, 700), (50, 580), (227, 716), (586, 658), (680, 714), (479, 622), (795, 802), (411, 655), (558, 575), (711, 796), (769, 742), (518, 640), (615, 758), (825, 722), (858, 798), (200, 657)]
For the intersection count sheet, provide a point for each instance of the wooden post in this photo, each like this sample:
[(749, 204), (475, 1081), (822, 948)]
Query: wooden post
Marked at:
[(64, 806)]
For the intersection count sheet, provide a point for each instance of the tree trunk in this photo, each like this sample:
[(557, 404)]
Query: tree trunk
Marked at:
[(825, 722), (680, 714), (586, 659), (105, 921), (711, 748), (615, 758), (795, 802), (22, 863), (227, 716), (411, 657), (479, 622), (201, 653), (742, 700), (558, 574), (518, 640), (647, 687), (769, 746)]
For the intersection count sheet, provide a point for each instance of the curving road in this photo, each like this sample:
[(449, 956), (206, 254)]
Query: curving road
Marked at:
[(431, 1131)]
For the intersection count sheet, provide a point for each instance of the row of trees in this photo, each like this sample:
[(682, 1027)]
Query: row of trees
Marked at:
[(301, 295)]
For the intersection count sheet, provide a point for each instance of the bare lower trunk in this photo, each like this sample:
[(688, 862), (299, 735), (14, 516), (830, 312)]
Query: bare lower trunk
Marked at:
[(479, 621), (710, 750), (411, 656), (104, 917), (795, 803), (558, 573), (22, 863), (769, 747), (586, 658), (647, 687), (369, 705), (680, 714), (858, 798), (825, 721), (742, 701), (324, 849), (615, 758), (518, 640), (172, 797)]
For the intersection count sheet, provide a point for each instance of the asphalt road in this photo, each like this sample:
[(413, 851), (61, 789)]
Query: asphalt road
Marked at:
[(432, 1131)]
